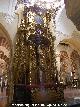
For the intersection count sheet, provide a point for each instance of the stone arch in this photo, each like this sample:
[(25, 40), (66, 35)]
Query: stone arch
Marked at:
[(64, 58), (5, 45), (63, 55), (5, 58), (75, 68), (5, 34), (75, 63)]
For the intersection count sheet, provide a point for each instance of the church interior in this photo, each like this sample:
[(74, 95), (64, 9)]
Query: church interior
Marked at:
[(39, 53)]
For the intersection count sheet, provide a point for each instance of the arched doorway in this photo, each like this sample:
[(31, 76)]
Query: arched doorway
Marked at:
[(63, 65), (5, 65), (75, 65)]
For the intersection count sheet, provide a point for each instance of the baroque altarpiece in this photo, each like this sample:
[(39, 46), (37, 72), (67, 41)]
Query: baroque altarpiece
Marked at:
[(35, 75)]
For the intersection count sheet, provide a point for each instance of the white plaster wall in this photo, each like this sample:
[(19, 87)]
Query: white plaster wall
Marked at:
[(10, 27), (63, 24), (4, 4), (7, 7)]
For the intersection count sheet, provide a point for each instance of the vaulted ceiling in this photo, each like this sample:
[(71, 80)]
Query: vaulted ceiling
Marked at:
[(73, 11), (72, 8)]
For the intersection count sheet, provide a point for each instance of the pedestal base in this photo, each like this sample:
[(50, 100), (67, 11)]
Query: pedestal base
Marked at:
[(21, 94), (46, 96), (24, 94)]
